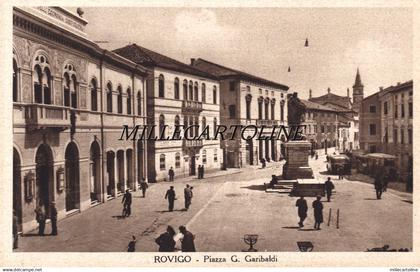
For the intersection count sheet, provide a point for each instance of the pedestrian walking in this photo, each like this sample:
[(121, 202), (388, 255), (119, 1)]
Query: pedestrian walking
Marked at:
[(166, 240), (329, 186), (126, 200), (319, 218), (171, 196), (15, 230), (378, 185), (132, 244), (187, 197), (187, 241), (40, 218), (143, 187), (302, 210), (340, 169), (53, 218), (316, 155), (171, 174), (202, 171), (263, 163), (199, 171)]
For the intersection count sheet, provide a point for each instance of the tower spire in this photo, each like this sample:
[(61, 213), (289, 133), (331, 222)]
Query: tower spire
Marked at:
[(358, 81)]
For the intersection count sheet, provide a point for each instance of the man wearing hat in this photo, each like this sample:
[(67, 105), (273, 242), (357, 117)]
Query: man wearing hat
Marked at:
[(53, 218), (171, 197), (318, 207)]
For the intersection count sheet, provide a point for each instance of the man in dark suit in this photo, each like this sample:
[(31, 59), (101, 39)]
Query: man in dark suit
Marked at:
[(187, 242), (171, 197), (127, 203), (53, 217), (329, 186)]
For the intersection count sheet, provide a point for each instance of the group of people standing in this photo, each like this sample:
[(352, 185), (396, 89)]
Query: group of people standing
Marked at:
[(200, 172), (171, 197), (317, 205), (166, 240)]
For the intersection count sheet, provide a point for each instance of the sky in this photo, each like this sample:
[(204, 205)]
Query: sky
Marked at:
[(266, 41)]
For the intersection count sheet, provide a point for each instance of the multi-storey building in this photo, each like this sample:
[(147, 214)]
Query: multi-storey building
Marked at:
[(387, 123), (178, 95), (70, 100), (246, 100)]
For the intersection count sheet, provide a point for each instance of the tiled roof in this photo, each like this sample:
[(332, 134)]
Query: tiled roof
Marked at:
[(341, 101), (312, 105), (150, 58), (225, 72)]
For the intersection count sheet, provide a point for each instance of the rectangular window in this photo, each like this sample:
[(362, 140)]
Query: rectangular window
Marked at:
[(372, 129), (177, 160), (232, 111), (215, 155), (372, 109), (315, 129), (395, 136), (204, 157), (402, 111), (231, 86), (402, 136), (410, 136), (322, 129), (385, 108), (410, 109), (396, 111)]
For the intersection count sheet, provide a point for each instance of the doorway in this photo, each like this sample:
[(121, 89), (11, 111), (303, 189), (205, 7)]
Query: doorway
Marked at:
[(72, 177)]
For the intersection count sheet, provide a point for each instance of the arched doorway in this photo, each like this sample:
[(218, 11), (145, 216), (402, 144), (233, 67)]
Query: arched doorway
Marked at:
[(17, 188), (121, 169), (129, 157), (44, 177), (249, 152), (110, 168), (140, 161), (72, 177), (95, 172)]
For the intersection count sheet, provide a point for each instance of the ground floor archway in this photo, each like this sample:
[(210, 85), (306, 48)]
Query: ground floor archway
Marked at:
[(44, 177), (17, 188), (72, 177), (95, 172)]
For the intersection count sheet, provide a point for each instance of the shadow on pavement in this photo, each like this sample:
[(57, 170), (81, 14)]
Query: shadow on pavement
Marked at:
[(178, 210), (294, 227), (370, 199), (119, 217), (255, 187), (308, 230)]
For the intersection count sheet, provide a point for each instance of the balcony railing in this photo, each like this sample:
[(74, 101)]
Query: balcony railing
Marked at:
[(192, 143), (267, 122), (192, 106), (47, 116)]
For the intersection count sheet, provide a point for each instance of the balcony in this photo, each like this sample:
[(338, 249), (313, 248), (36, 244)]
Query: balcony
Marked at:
[(191, 106), (192, 144), (39, 116), (267, 123)]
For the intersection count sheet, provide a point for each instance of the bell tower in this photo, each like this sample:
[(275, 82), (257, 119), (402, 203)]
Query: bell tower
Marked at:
[(357, 92)]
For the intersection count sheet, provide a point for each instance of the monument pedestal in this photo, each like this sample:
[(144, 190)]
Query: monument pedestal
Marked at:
[(296, 166)]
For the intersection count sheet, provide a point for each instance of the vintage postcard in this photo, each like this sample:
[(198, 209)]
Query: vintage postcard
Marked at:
[(209, 134)]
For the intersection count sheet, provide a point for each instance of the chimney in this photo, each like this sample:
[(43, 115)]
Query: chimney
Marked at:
[(398, 83), (329, 90), (295, 95), (381, 88), (310, 93), (192, 61), (348, 92)]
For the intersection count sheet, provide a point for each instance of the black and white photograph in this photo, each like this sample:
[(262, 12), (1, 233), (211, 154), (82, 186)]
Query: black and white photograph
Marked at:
[(185, 128)]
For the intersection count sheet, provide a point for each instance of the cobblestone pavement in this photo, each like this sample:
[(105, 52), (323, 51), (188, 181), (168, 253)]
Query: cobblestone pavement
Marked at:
[(225, 208)]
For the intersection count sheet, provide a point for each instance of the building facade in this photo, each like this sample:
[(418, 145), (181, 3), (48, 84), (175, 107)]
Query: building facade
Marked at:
[(178, 96), (70, 100), (387, 123), (248, 100)]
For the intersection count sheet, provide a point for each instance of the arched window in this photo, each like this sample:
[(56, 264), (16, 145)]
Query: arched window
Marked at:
[(196, 126), (161, 86), (203, 124), (128, 101), (177, 160), (93, 95), (203, 93), (282, 110), (214, 126), (70, 86), (273, 106), (185, 88), (161, 126), (109, 97), (196, 91), (42, 80), (138, 103), (248, 100), (267, 105), (214, 95), (119, 100), (260, 106), (15, 88), (191, 91), (176, 88), (162, 163), (204, 156), (185, 122)]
